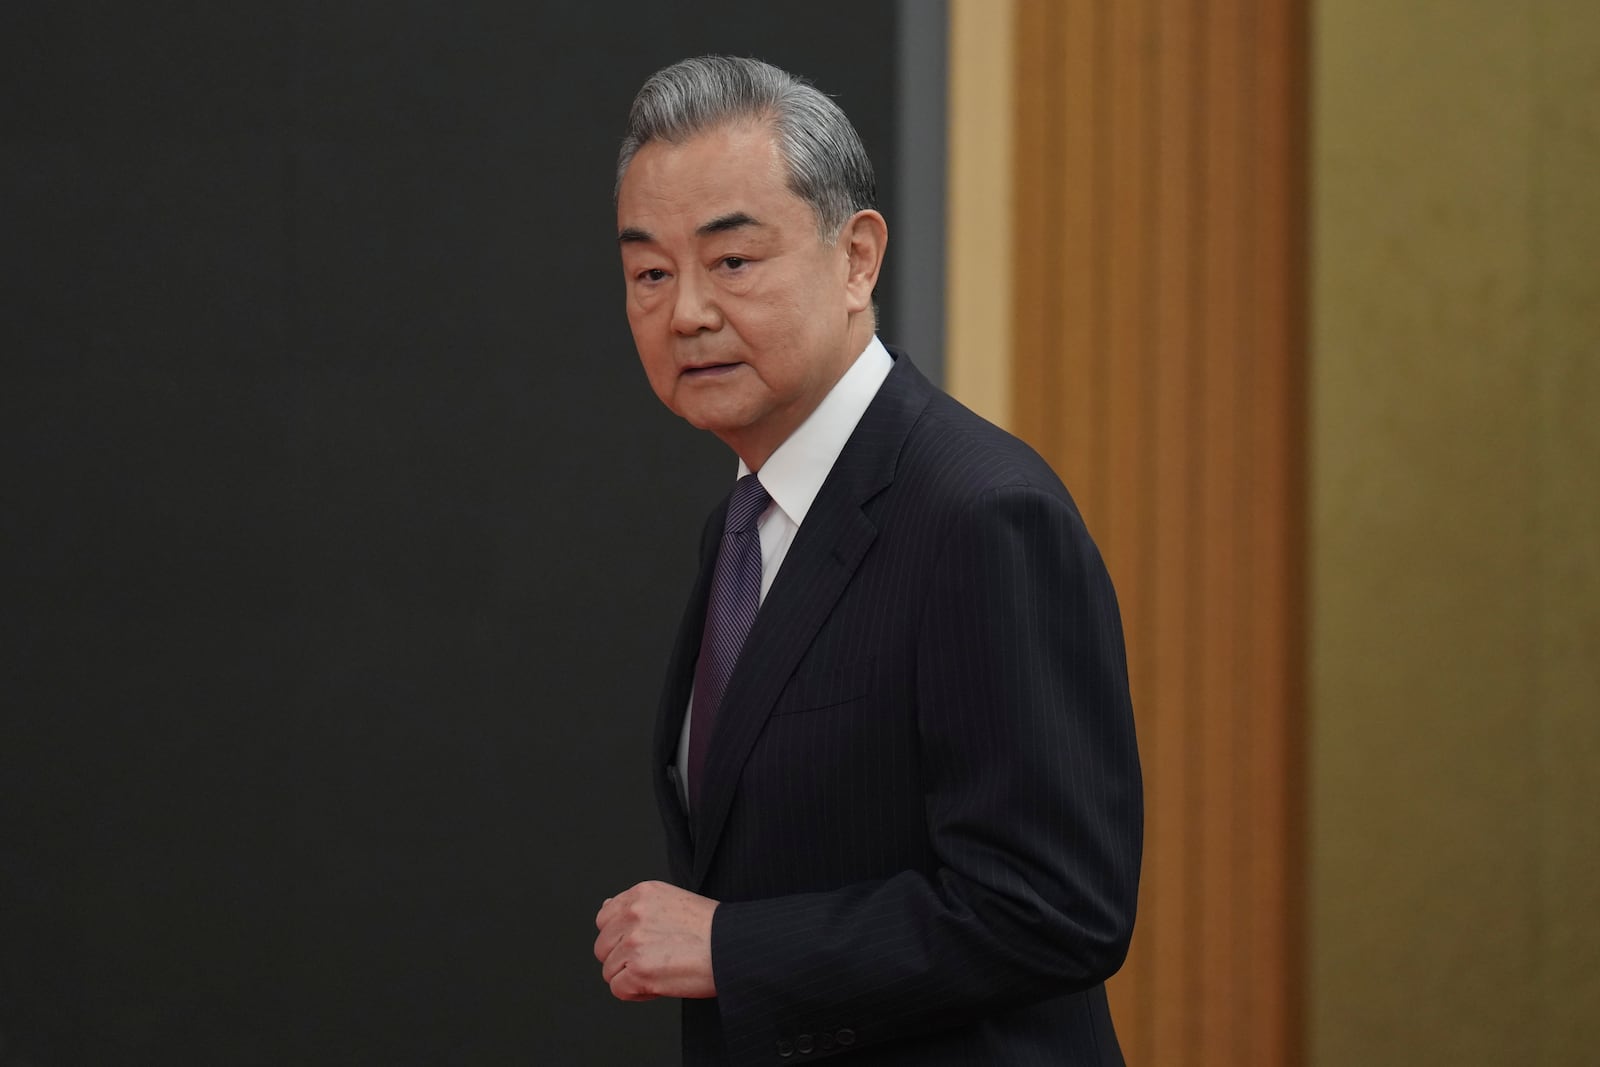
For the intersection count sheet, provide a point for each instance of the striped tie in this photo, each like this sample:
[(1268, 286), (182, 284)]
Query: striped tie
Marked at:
[(730, 612)]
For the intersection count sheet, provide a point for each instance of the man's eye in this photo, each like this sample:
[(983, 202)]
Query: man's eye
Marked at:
[(654, 274), (734, 262)]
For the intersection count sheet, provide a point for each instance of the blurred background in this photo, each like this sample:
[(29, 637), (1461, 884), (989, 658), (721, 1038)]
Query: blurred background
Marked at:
[(331, 646)]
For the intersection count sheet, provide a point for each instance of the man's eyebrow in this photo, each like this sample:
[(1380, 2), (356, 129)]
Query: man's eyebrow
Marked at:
[(723, 223), (734, 220)]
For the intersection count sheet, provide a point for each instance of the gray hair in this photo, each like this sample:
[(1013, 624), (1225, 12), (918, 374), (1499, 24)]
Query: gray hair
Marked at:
[(828, 167)]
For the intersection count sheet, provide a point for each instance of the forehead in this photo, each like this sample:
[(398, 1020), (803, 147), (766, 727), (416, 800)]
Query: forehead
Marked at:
[(724, 170)]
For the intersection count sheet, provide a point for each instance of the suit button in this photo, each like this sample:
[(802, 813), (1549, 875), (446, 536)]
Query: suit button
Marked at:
[(785, 1049), (846, 1037), (825, 1042), (803, 1045)]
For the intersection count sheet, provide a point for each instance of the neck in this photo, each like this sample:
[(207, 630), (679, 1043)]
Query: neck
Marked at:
[(755, 444)]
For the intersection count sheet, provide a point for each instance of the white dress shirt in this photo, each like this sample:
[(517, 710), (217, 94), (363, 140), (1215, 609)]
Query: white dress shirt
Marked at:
[(793, 475)]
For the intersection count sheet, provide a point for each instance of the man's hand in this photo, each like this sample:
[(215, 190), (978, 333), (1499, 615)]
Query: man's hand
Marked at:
[(655, 941)]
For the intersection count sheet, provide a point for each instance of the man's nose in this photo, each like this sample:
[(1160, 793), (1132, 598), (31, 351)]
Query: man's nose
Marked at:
[(696, 307)]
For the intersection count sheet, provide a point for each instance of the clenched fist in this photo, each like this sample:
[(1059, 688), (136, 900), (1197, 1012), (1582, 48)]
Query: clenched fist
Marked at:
[(655, 941)]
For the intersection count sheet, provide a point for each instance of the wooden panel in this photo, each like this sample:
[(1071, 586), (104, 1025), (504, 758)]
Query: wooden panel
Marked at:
[(1277, 526), (1038, 209), (979, 255), (1159, 294), (1166, 728), (1120, 389), (1220, 352)]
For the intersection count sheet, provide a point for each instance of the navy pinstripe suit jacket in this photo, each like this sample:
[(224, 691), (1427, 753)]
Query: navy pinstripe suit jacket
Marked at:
[(922, 809)]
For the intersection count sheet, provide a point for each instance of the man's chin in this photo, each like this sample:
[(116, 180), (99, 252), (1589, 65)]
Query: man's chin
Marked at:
[(714, 415), (719, 423)]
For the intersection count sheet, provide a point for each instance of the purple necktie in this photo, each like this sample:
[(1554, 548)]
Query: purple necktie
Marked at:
[(730, 612)]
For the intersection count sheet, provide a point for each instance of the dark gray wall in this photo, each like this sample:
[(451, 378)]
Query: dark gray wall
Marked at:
[(918, 246), (342, 537)]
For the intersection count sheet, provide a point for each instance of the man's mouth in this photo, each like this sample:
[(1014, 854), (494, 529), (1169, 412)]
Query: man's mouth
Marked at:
[(708, 370)]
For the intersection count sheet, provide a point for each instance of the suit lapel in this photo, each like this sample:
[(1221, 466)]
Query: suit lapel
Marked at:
[(675, 703), (829, 547)]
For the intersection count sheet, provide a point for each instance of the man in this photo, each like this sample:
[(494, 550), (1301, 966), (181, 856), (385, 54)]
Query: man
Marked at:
[(895, 752)]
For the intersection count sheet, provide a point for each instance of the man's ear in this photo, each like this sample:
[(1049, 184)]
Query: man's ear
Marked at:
[(863, 239)]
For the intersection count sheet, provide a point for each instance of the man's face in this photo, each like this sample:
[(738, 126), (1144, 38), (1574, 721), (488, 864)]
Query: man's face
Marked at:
[(742, 315)]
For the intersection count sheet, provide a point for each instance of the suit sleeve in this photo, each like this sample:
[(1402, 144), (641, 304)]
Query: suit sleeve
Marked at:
[(1033, 803)]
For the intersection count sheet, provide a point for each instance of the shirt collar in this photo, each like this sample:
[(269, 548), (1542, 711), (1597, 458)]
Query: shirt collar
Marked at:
[(793, 475)]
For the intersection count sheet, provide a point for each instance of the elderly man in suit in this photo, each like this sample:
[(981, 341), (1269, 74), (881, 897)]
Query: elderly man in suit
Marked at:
[(895, 752)]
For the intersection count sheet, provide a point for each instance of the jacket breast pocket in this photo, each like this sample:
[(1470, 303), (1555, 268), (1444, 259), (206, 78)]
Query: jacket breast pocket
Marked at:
[(828, 687)]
